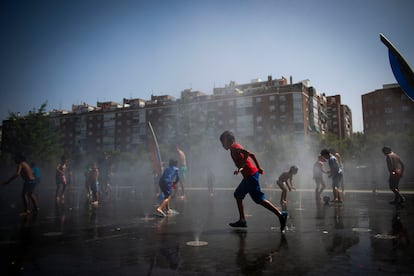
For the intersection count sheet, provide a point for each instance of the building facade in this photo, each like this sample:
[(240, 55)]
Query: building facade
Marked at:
[(259, 111), (339, 118), (387, 110)]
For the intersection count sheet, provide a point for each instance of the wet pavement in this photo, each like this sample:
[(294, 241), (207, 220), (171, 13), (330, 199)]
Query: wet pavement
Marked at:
[(364, 235)]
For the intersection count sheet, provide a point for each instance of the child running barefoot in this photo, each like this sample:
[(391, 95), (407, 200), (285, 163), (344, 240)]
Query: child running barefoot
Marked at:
[(168, 178), (285, 182), (250, 183)]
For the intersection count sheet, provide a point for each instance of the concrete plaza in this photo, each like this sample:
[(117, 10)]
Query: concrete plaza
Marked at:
[(364, 235)]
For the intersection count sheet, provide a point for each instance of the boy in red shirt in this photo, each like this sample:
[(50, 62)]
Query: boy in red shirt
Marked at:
[(250, 183)]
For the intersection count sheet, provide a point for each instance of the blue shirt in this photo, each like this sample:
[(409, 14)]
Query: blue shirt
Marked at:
[(170, 175), (36, 173)]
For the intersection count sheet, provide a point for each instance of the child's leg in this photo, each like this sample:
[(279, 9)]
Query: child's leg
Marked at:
[(57, 191), (35, 202), (269, 206), (163, 203), (63, 190), (240, 207), (284, 194), (323, 186), (25, 197)]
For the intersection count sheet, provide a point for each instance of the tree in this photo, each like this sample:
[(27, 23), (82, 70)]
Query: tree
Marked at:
[(32, 135)]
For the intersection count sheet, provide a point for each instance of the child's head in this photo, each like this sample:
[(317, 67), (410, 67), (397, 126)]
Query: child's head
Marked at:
[(173, 163), (293, 170), (325, 153), (227, 138), (386, 150), (19, 158)]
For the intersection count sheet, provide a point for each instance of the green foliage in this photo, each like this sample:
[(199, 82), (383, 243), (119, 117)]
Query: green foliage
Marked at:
[(33, 136)]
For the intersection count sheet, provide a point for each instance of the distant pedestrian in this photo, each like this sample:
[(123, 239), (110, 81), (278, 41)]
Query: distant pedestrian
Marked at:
[(396, 171), (335, 173), (61, 180), (25, 172), (93, 183), (169, 178), (249, 167), (285, 182)]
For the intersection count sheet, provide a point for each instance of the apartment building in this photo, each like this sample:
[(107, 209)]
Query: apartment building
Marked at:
[(339, 118), (259, 110), (387, 110)]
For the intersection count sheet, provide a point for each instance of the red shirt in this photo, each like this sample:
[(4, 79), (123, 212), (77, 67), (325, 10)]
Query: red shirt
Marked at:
[(249, 168)]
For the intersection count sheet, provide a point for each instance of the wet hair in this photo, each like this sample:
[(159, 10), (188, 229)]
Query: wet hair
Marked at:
[(386, 149), (325, 152), (19, 157), (173, 162), (293, 169), (227, 135)]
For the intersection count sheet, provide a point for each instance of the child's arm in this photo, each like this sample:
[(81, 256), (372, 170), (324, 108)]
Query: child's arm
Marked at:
[(290, 183), (246, 155), (14, 176), (177, 176), (256, 162)]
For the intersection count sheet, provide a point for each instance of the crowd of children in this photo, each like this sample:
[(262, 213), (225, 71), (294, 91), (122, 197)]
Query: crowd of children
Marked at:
[(246, 164)]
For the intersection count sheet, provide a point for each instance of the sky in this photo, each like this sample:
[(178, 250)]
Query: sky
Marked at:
[(67, 52)]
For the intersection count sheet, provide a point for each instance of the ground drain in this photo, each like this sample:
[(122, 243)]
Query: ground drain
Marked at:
[(197, 243), (363, 230)]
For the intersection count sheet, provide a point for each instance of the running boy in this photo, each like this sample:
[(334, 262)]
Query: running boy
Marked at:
[(250, 183), (168, 178), (285, 182)]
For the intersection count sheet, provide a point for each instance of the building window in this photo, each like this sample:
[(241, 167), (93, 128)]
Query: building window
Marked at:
[(272, 108), (405, 108), (272, 98), (282, 98), (258, 99), (388, 110), (258, 119), (282, 108)]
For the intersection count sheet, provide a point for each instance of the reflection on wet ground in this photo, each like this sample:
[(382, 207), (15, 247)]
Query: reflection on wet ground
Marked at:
[(364, 235)]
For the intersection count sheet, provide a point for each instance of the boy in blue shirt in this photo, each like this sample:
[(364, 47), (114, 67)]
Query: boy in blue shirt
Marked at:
[(169, 177), (335, 172)]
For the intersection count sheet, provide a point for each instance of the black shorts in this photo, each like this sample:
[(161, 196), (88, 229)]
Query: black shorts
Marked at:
[(29, 186)]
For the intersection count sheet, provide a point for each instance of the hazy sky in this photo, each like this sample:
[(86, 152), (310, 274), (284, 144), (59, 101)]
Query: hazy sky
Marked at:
[(69, 52)]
